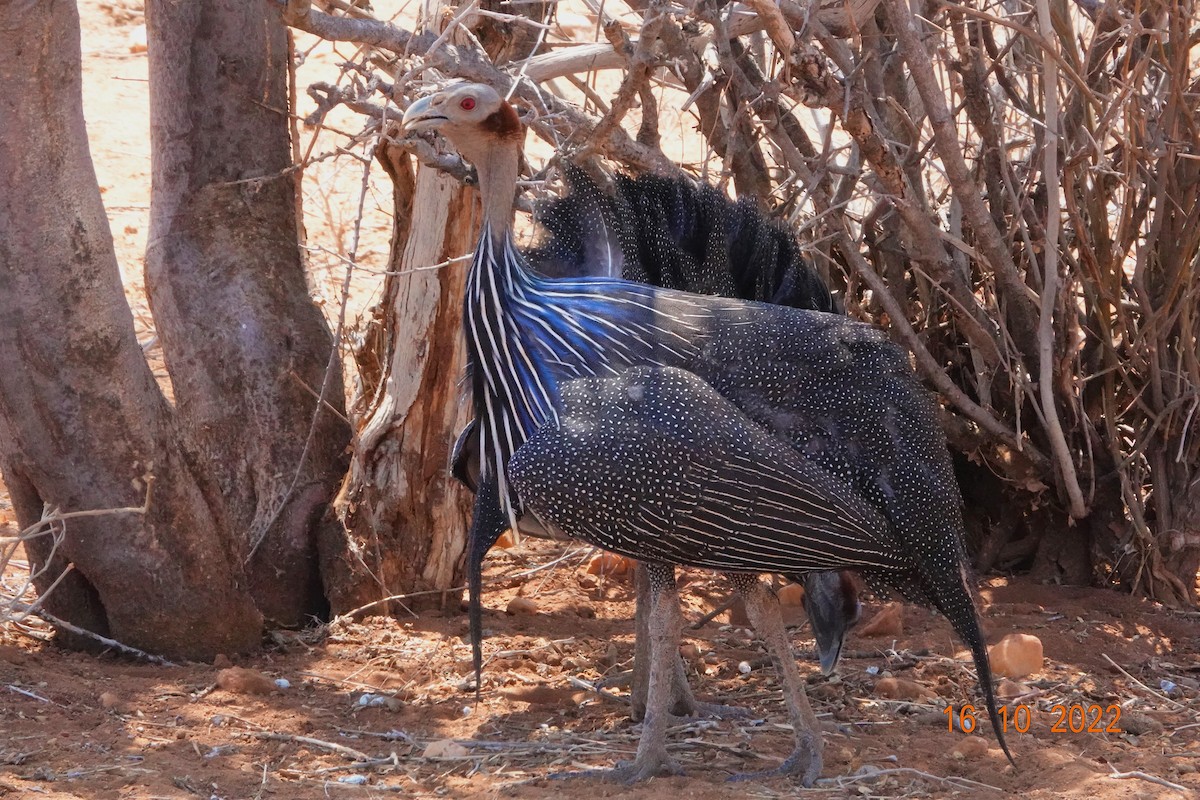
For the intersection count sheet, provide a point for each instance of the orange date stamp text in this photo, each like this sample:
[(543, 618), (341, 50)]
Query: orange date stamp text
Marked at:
[(1068, 718)]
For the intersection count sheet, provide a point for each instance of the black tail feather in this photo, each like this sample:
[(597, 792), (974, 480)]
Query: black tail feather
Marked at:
[(951, 596), (487, 524)]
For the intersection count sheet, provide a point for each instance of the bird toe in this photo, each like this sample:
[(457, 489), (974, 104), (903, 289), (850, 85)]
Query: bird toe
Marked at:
[(804, 763)]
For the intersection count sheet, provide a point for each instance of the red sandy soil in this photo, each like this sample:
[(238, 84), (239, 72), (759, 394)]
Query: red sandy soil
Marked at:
[(85, 726), (82, 726)]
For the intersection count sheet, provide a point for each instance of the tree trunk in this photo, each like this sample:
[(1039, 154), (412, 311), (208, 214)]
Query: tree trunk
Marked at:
[(83, 424), (407, 516), (246, 349)]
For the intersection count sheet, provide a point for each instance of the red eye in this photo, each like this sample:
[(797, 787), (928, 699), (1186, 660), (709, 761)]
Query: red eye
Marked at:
[(467, 103)]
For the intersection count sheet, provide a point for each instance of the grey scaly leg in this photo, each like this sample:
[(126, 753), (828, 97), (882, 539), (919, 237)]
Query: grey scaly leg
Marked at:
[(682, 702), (660, 640), (663, 624), (763, 609)]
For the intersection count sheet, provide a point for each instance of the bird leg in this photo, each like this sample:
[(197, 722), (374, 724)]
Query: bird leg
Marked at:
[(681, 702), (663, 626), (762, 606)]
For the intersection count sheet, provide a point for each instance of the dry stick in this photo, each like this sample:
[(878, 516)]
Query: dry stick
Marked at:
[(9, 545), (637, 75), (1041, 44), (991, 243), (777, 27), (1159, 695), (1046, 360), (104, 640), (468, 64), (567, 61), (849, 100), (1146, 777), (710, 616), (952, 780), (945, 135), (334, 747)]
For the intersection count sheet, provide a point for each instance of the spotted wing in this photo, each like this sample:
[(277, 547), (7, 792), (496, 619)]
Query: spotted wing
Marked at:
[(654, 464)]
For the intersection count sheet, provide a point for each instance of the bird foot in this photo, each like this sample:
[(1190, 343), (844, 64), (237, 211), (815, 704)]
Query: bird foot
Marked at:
[(701, 710), (646, 766), (805, 762), (687, 709)]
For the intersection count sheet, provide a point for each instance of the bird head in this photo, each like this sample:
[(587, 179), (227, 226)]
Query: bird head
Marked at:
[(831, 600), (475, 117)]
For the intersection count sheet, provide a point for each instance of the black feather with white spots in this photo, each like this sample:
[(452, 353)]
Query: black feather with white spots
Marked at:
[(656, 465)]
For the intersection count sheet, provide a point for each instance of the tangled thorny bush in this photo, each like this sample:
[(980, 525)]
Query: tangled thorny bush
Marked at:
[(1010, 187)]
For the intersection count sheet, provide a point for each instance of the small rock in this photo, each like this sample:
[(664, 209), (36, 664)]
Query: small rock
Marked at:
[(445, 748), (584, 611), (240, 680), (506, 541), (1016, 655), (737, 615), (889, 621), (283, 683), (611, 565), (902, 689), (791, 595), (137, 39), (541, 695), (109, 700), (745, 668), (13, 655), (1136, 723), (610, 658), (521, 605), (221, 661), (971, 748)]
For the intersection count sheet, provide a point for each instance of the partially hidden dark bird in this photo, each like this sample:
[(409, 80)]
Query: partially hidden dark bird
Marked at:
[(687, 429), (678, 234)]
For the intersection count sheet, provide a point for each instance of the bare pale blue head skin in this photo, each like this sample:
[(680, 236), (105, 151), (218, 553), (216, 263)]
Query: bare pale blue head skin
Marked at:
[(833, 608)]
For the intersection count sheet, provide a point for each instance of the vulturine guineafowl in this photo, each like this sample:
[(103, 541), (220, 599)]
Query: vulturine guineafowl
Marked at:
[(678, 234), (745, 421)]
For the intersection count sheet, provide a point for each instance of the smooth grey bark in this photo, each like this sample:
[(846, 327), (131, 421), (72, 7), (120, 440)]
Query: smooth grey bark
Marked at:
[(246, 348), (83, 425)]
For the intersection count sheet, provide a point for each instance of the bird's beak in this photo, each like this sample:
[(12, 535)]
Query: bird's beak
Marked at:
[(829, 656), (421, 115)]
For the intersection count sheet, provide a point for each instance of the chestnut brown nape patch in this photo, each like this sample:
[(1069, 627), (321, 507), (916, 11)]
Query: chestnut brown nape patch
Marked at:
[(503, 123)]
